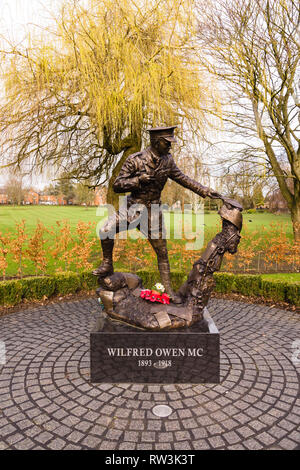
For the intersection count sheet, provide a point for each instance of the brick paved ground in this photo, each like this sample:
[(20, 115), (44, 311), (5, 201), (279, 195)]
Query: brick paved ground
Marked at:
[(47, 402)]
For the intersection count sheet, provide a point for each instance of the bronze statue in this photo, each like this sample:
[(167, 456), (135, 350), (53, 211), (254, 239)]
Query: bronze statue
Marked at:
[(120, 292), (144, 175)]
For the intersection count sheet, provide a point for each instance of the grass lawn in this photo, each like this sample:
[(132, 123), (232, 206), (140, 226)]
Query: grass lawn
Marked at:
[(283, 277), (48, 215), (133, 254)]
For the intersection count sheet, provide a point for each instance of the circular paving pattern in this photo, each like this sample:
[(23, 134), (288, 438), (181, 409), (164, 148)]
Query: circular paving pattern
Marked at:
[(47, 402)]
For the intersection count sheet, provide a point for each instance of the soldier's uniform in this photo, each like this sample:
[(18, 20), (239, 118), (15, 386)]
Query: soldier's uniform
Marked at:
[(136, 209)]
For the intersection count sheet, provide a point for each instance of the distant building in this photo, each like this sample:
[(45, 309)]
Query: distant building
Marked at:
[(100, 196), (31, 197), (48, 199), (3, 196)]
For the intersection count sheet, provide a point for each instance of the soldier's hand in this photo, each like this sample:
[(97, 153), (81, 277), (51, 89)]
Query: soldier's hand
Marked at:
[(214, 194), (144, 178)]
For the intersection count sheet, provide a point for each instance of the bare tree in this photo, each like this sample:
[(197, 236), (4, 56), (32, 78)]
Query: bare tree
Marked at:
[(252, 47), (243, 184), (15, 188), (83, 194)]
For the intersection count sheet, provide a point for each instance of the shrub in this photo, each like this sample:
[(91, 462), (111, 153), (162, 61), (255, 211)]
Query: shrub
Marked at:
[(11, 292), (14, 291), (293, 294), (88, 281), (224, 282), (274, 290), (248, 284), (36, 288), (66, 283)]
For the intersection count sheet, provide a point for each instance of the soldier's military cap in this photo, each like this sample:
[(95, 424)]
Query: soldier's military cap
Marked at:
[(165, 132)]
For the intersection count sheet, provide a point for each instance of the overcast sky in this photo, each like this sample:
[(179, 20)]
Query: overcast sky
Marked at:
[(16, 18), (19, 15)]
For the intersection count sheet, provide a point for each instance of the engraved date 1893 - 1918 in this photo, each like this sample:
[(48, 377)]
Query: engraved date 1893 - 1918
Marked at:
[(149, 363)]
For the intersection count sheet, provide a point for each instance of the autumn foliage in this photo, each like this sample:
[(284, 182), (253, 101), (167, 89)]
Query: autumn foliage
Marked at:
[(60, 248)]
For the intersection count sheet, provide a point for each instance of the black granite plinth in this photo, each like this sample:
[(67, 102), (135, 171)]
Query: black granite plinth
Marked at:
[(124, 354)]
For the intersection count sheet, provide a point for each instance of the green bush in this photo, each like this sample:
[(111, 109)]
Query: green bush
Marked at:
[(247, 284), (67, 283), (35, 288), (88, 281), (255, 285), (224, 282), (293, 294), (11, 292), (274, 290)]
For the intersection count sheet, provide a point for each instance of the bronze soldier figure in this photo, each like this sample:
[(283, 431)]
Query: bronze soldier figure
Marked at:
[(144, 174)]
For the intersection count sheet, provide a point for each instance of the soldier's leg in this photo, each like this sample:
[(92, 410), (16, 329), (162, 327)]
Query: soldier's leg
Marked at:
[(159, 243), (115, 224), (160, 248)]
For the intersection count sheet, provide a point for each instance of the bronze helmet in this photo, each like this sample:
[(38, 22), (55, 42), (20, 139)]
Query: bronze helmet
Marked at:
[(232, 211)]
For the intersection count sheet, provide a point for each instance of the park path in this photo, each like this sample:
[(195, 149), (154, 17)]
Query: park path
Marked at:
[(47, 402)]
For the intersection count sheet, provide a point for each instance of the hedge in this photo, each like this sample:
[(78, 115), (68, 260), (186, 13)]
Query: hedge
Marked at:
[(254, 285), (35, 288)]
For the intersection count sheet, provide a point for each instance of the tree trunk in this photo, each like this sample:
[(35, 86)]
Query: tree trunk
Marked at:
[(295, 215), (112, 197)]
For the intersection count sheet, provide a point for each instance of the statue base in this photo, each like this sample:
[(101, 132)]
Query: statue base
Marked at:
[(121, 353)]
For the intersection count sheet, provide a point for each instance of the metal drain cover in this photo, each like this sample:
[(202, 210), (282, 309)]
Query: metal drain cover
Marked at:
[(162, 411)]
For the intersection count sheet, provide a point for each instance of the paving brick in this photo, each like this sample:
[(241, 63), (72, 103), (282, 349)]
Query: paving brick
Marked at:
[(163, 446), (25, 444), (172, 425), (114, 434), (8, 429), (231, 437), (287, 444), (131, 436), (56, 444), (286, 425), (107, 445), (75, 436), (201, 444), (14, 438), (185, 445), (136, 424), (127, 446), (216, 442), (153, 425), (92, 442), (199, 433), (182, 435)]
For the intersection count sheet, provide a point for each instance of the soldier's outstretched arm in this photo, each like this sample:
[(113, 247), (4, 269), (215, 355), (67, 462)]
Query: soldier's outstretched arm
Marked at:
[(187, 182)]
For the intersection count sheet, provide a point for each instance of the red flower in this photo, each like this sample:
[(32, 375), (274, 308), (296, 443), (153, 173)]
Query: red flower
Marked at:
[(165, 298), (155, 296), (145, 294)]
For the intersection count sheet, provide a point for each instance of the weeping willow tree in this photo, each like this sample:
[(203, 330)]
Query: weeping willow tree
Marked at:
[(80, 97)]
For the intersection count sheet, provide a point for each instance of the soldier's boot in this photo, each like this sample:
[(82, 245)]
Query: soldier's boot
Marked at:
[(165, 275), (106, 267)]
